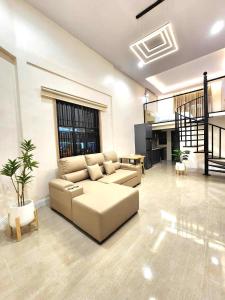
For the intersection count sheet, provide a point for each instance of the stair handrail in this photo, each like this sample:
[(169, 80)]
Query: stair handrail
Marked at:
[(182, 120)]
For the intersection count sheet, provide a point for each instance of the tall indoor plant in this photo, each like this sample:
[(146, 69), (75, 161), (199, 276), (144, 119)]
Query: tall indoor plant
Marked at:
[(19, 170), (179, 157)]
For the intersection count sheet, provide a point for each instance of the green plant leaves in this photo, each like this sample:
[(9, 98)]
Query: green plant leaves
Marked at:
[(180, 155), (27, 146), (11, 167), (19, 169), (24, 178)]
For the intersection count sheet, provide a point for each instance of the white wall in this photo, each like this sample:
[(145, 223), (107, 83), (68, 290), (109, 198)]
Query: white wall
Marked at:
[(216, 89), (223, 95), (9, 131), (219, 121), (47, 55), (166, 110)]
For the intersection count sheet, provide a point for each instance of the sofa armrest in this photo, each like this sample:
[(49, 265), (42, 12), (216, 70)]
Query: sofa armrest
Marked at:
[(60, 184), (61, 194), (136, 168)]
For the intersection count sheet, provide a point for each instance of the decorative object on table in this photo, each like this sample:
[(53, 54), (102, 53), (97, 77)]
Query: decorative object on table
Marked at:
[(180, 157), (19, 170)]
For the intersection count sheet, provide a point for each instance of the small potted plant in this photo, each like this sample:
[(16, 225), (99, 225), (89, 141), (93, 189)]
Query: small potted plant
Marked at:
[(19, 170), (180, 158)]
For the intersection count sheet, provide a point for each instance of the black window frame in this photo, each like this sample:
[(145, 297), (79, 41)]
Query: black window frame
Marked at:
[(78, 129)]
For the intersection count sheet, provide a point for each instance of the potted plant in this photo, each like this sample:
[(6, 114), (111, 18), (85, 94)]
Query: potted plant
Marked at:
[(19, 170), (180, 158)]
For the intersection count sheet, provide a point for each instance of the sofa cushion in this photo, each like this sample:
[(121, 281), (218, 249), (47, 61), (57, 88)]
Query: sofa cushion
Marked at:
[(117, 165), (95, 172), (109, 167), (111, 155), (104, 209), (93, 159), (71, 164), (120, 176), (111, 194)]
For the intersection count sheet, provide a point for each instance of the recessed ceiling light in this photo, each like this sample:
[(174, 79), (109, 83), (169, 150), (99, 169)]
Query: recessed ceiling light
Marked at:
[(140, 64), (217, 27)]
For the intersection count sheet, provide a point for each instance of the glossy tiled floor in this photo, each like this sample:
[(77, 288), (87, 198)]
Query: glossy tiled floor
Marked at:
[(173, 249)]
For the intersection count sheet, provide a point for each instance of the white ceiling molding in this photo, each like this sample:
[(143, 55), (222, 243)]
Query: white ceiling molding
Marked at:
[(166, 46), (7, 56), (58, 95)]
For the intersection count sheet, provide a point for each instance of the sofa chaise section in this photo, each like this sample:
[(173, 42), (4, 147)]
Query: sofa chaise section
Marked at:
[(97, 207), (104, 209)]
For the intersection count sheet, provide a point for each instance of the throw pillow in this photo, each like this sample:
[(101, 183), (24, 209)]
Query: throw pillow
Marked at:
[(95, 172), (109, 167)]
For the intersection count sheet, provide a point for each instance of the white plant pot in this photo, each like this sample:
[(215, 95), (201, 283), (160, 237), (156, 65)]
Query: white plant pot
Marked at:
[(24, 213), (180, 166), (186, 163), (177, 166)]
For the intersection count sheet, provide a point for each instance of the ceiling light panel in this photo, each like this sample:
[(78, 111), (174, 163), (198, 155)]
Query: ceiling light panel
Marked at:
[(156, 45)]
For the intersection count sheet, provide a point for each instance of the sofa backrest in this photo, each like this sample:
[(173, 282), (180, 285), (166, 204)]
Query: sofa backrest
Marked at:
[(111, 155), (96, 158), (73, 168)]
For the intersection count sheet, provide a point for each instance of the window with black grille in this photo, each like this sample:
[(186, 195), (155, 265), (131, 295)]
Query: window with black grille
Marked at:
[(78, 129)]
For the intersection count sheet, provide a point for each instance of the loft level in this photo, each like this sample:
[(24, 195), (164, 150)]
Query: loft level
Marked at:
[(170, 124)]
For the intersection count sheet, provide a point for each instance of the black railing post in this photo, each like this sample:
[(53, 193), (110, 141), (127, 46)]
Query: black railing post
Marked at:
[(206, 121), (177, 129)]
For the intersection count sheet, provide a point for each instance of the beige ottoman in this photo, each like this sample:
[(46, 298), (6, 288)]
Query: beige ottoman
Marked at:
[(102, 211)]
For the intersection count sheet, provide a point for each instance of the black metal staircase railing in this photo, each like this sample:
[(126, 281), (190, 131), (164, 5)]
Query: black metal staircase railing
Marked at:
[(194, 130)]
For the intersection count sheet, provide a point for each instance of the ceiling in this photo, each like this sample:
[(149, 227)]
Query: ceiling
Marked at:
[(110, 27), (190, 74)]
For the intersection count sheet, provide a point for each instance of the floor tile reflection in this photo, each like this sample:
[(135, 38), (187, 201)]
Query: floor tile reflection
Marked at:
[(173, 249)]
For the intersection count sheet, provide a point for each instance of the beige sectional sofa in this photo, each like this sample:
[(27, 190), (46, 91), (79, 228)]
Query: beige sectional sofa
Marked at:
[(97, 207)]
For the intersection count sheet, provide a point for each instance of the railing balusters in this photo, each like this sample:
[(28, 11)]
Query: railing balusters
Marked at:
[(220, 143), (196, 109), (212, 142), (206, 128), (181, 125), (197, 136)]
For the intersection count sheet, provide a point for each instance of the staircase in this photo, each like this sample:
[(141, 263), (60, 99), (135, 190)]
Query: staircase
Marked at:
[(195, 131)]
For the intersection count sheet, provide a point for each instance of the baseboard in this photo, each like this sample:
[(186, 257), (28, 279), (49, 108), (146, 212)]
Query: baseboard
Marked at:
[(42, 202), (38, 204)]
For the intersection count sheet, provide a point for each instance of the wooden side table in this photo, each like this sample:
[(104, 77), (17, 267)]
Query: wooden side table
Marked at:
[(18, 227), (136, 158)]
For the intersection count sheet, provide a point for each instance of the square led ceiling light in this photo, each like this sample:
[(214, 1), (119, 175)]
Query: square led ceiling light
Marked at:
[(156, 45)]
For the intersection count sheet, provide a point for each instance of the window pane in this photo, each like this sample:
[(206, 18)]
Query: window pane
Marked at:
[(78, 129)]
